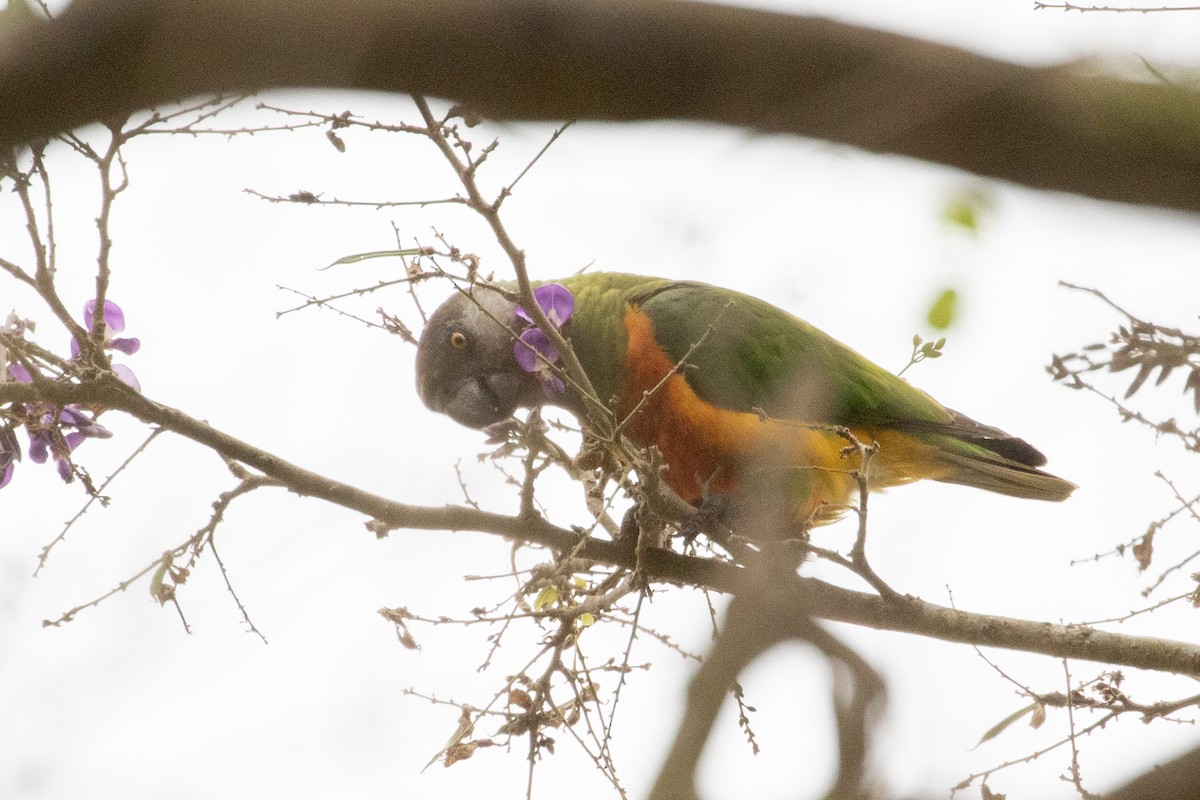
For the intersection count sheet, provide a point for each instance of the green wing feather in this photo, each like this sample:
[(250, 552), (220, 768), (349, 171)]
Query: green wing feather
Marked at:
[(754, 355)]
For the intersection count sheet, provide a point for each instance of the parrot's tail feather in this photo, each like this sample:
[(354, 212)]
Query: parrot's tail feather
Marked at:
[(1006, 478)]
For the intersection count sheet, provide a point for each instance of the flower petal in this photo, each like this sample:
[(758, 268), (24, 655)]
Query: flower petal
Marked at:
[(114, 317), (126, 376), (73, 417), (551, 383), (6, 475), (556, 302), (73, 440), (64, 470), (533, 340), (18, 373), (126, 346), (39, 447)]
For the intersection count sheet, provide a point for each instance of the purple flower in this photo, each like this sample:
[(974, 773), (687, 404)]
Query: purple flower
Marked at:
[(50, 435), (114, 322), (533, 350), (17, 372), (556, 303), (535, 353), (54, 432), (126, 376)]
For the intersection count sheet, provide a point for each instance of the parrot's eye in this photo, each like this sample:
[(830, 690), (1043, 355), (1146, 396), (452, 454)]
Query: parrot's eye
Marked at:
[(459, 340)]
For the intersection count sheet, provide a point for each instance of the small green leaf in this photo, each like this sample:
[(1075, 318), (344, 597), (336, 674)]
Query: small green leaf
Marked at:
[(963, 215), (357, 257), (1005, 723), (545, 597), (964, 209), (942, 312), (587, 620), (157, 585)]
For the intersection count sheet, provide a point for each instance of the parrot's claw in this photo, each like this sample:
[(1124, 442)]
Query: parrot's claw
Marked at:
[(712, 518), (630, 527)]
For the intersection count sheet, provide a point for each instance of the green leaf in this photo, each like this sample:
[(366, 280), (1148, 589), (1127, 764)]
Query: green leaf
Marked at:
[(545, 597), (587, 620), (965, 208), (942, 312), (357, 257), (157, 581), (1005, 723), (962, 215)]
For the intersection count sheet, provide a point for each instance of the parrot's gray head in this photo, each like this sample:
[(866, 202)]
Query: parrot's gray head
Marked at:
[(465, 362)]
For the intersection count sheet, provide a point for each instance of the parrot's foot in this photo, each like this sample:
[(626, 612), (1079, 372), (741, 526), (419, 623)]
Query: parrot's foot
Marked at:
[(630, 526), (712, 517)]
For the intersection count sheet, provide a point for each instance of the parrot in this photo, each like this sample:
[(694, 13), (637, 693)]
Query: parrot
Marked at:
[(734, 392)]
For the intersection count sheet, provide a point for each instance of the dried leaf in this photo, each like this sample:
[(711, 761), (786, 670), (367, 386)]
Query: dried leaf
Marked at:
[(1143, 551), (1192, 384), (1143, 373), (459, 752), (1121, 360), (1038, 718)]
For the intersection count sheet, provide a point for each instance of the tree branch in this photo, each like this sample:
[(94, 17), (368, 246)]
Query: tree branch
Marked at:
[(810, 596), (1049, 127)]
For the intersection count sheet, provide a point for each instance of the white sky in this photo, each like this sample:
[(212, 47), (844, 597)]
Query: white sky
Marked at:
[(121, 703)]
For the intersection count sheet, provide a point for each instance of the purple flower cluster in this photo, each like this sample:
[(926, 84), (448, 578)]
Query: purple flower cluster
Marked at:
[(114, 322), (534, 351), (55, 432)]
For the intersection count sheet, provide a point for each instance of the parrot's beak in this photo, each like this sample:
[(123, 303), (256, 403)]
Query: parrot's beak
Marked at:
[(476, 400)]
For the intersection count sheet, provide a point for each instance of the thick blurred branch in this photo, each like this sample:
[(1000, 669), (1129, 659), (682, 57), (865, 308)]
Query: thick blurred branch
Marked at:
[(1175, 780), (1050, 128), (759, 619)]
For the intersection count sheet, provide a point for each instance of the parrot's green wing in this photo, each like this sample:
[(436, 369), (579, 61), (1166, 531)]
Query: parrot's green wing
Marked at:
[(754, 356)]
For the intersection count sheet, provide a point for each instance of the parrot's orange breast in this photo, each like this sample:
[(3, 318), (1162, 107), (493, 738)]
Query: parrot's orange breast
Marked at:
[(710, 449)]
